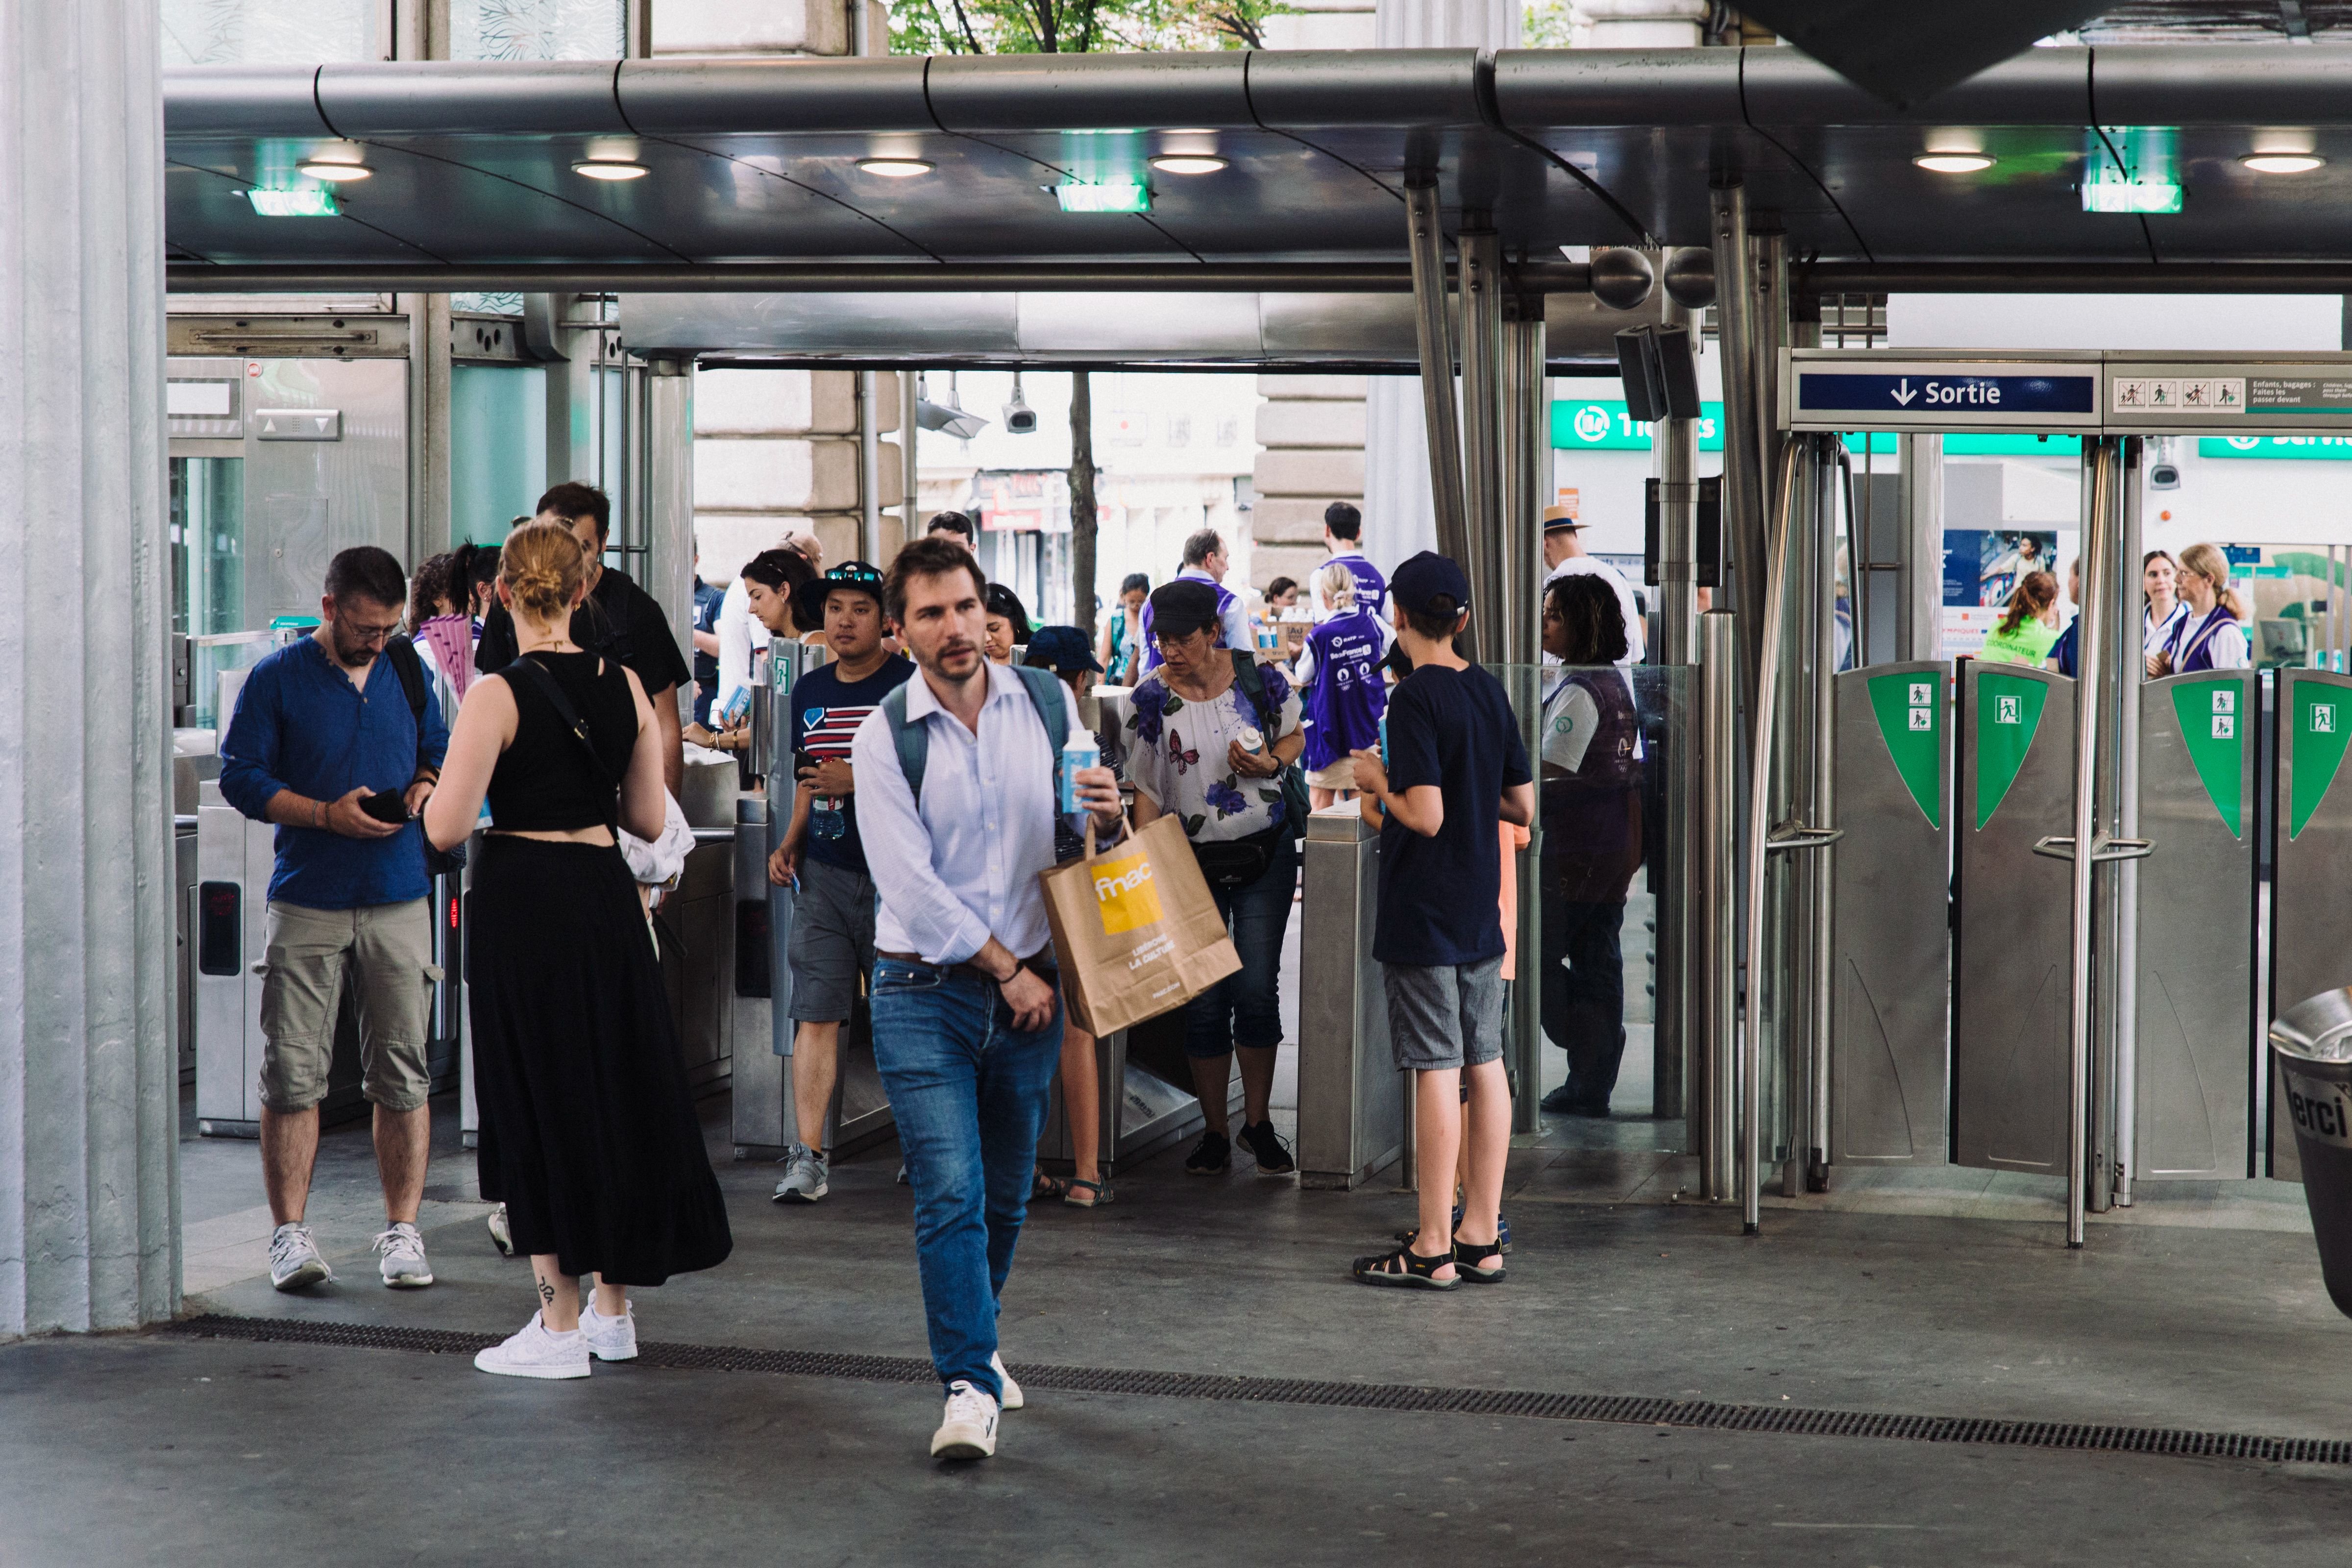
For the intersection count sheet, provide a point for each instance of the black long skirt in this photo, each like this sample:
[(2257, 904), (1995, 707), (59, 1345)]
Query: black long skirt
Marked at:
[(588, 1131)]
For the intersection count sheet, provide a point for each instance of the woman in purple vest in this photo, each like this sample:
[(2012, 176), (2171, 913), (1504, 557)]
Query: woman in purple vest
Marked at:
[(1338, 673), (2210, 636)]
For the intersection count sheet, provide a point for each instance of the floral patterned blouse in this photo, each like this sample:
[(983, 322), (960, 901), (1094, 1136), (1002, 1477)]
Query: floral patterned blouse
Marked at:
[(1178, 754)]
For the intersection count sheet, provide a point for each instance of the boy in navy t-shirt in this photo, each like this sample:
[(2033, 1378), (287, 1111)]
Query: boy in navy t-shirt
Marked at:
[(1457, 769), (832, 944)]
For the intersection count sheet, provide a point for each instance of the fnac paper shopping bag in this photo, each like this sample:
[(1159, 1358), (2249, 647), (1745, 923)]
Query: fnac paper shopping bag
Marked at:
[(1136, 927)]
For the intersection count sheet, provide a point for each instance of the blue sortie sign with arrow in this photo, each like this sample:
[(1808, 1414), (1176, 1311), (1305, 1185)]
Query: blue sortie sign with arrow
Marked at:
[(1890, 393)]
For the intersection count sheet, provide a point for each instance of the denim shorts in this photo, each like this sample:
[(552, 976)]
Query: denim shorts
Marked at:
[(831, 949), (1446, 1014)]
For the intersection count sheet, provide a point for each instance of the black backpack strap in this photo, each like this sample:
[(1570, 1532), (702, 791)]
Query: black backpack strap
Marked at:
[(401, 654), (544, 683)]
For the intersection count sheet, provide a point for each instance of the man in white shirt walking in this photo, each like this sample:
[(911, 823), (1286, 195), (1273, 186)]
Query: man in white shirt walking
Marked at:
[(956, 801), (1205, 560), (1564, 556)]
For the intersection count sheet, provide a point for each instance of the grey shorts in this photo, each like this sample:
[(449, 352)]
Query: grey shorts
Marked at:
[(1446, 1014), (386, 951), (832, 946)]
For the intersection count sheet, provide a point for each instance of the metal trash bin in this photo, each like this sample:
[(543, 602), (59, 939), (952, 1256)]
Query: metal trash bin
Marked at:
[(2312, 1041)]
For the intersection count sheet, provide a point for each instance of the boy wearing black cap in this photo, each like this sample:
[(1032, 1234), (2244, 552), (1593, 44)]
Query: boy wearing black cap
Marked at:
[(832, 945), (1456, 767)]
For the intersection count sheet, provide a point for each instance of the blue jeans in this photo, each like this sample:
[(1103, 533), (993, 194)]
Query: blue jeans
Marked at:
[(968, 1093), (1244, 1008)]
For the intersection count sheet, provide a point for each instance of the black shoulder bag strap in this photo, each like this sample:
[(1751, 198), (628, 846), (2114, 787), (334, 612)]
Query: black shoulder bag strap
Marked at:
[(401, 654), (546, 685)]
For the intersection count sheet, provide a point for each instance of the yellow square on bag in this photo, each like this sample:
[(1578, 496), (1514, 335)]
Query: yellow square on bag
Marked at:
[(1124, 894)]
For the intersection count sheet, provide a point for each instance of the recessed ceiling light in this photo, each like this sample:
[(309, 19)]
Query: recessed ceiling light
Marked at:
[(2282, 162), (609, 168), (334, 172), (1188, 163), (894, 168), (1955, 163)]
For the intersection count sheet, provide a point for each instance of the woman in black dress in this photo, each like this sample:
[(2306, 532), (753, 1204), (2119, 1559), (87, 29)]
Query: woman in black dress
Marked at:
[(588, 1131)]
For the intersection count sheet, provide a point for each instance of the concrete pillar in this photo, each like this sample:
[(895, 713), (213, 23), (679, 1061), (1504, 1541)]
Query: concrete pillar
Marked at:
[(669, 494), (777, 450), (1310, 434), (89, 1221)]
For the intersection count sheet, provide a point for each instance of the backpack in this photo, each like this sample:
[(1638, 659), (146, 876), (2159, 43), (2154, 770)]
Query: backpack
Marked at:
[(913, 742), (401, 654)]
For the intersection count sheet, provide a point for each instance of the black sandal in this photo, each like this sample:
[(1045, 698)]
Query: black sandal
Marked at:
[(1101, 1190), (1406, 1268), (1469, 1258), (1041, 1185)]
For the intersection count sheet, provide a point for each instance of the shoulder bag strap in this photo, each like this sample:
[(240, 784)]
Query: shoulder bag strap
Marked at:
[(545, 684)]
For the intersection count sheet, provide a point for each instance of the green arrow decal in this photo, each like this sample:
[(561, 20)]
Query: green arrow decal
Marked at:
[(1910, 709), (2009, 712), (2323, 722), (2211, 725)]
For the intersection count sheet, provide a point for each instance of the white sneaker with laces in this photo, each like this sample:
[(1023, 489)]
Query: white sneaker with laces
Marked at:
[(609, 1339), (403, 1251), (501, 1233), (1011, 1399), (294, 1261), (968, 1431), (537, 1351)]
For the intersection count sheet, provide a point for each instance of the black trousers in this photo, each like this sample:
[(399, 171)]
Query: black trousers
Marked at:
[(1584, 1003)]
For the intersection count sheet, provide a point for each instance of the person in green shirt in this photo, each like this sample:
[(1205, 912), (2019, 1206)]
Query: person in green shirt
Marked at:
[(2028, 625)]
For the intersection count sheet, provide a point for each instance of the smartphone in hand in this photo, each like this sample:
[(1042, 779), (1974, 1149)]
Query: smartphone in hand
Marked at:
[(387, 806)]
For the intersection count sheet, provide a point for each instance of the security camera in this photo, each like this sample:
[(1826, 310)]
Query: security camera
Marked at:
[(2163, 476), (1020, 419), (949, 418)]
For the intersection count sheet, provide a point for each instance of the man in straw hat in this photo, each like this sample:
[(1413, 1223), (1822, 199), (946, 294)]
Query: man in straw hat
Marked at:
[(1564, 556)]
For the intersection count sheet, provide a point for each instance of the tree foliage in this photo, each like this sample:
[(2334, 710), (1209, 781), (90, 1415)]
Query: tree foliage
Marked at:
[(1076, 26)]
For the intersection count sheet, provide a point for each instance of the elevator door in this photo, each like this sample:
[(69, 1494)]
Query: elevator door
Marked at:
[(2010, 994), (1890, 1036), (2193, 1093), (2311, 914)]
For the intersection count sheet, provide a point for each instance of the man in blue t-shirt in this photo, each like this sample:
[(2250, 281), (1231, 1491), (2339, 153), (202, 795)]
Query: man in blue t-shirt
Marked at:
[(832, 945), (1455, 771)]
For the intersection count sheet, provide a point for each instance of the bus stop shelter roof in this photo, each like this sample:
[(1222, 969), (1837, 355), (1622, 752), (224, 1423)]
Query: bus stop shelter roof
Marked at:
[(754, 177)]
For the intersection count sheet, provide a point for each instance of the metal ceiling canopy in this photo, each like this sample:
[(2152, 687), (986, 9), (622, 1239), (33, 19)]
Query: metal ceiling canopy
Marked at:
[(753, 166), (1908, 53)]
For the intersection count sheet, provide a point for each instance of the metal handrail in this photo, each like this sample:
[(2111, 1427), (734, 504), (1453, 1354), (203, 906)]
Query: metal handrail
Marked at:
[(2097, 562), (2105, 848), (1759, 834)]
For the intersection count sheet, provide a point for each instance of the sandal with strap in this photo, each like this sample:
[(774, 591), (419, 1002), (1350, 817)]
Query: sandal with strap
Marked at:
[(1100, 1191), (1406, 1268), (1470, 1260), (1041, 1185)]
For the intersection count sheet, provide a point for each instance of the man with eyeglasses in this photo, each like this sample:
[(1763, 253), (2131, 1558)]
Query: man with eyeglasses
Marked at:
[(342, 759)]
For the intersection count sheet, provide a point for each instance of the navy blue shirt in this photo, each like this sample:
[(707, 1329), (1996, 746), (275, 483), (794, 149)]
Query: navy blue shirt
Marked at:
[(826, 712), (1441, 896), (300, 724)]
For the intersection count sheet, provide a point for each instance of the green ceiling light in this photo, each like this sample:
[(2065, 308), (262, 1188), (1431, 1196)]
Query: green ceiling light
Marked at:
[(2119, 196), (314, 202), (1104, 196), (2131, 169)]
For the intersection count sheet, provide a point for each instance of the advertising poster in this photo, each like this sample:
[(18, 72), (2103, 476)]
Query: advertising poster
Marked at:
[(1981, 567)]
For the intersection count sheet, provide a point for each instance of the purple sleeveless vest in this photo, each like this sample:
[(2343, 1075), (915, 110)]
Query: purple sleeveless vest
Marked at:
[(1348, 697)]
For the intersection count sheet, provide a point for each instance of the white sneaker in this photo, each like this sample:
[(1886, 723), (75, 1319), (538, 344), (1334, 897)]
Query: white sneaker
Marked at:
[(294, 1261), (402, 1250), (968, 1431), (501, 1233), (609, 1339), (1011, 1399), (537, 1351)]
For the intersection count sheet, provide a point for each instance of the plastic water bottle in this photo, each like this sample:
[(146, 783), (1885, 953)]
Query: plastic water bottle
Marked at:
[(1384, 740), (1078, 751)]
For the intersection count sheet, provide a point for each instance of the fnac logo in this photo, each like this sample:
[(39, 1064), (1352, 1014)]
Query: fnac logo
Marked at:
[(1124, 893)]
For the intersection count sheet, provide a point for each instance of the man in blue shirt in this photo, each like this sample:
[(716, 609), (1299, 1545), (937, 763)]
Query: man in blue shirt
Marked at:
[(320, 727)]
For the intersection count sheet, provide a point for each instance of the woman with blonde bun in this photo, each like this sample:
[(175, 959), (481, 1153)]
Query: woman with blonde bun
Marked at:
[(2210, 636), (588, 1130)]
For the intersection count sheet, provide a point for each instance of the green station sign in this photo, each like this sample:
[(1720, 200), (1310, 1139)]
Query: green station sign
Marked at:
[(2294, 448), (2009, 712), (1910, 711), (1602, 425)]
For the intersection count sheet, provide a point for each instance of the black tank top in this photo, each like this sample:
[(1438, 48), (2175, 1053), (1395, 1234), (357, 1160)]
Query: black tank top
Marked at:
[(542, 782)]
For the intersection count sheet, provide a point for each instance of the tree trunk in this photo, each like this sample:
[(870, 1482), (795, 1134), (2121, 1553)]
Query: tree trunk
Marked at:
[(1082, 503)]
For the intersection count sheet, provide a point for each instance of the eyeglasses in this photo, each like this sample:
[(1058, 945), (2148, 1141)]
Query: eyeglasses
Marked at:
[(368, 634)]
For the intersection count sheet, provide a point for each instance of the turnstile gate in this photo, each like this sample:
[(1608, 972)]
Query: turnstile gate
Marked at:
[(2009, 990), (2192, 1074), (1889, 1068), (2311, 818)]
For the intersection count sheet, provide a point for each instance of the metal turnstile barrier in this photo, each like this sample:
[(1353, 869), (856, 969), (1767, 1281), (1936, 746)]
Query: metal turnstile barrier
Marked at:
[(758, 990), (2311, 918), (1352, 1103), (1890, 1039), (2195, 1047), (2010, 990)]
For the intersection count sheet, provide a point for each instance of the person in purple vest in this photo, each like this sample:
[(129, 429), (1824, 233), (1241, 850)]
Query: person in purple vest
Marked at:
[(2212, 636), (1205, 560), (1338, 671), (1343, 536)]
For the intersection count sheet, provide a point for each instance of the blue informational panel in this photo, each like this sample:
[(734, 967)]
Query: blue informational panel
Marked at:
[(1831, 390)]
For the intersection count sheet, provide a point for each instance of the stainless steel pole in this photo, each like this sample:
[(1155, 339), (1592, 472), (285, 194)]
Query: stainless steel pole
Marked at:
[(1436, 342), (1823, 698), (669, 494), (1922, 635), (1759, 831), (2124, 879), (1526, 466), (869, 463), (1743, 473), (1714, 969), (1678, 1027), (2097, 557), (909, 470), (1482, 434)]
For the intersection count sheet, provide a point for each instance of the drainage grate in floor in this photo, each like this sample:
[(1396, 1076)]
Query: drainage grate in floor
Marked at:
[(1619, 1409)]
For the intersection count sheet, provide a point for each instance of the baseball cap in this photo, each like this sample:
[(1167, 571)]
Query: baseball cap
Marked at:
[(1426, 577), (1062, 649), (808, 601), (1560, 517)]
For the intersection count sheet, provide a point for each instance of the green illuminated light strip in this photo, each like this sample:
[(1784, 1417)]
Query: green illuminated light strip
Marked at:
[(2131, 197), (316, 203), (1106, 196)]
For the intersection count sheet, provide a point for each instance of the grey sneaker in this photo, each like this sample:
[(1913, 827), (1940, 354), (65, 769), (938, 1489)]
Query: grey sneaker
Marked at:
[(501, 1233), (805, 1176), (403, 1251), (294, 1261)]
